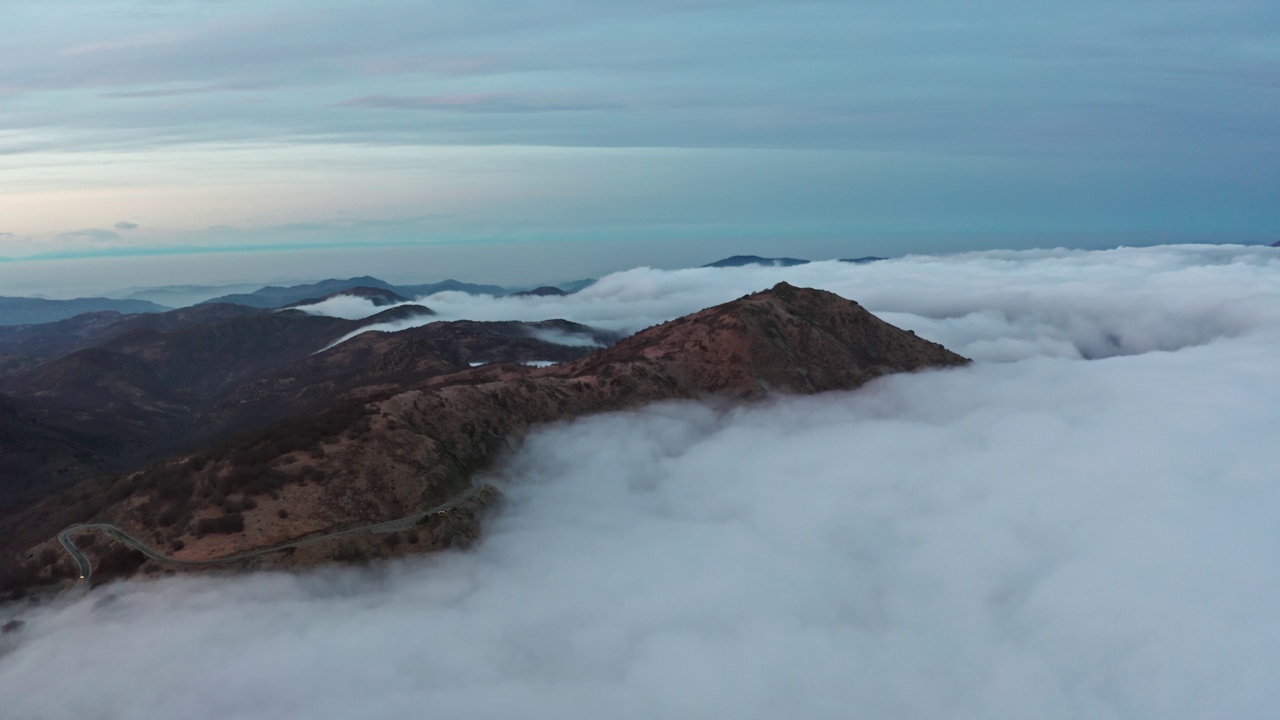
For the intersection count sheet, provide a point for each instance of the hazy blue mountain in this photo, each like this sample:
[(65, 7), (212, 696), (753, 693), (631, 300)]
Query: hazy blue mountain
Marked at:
[(568, 287), (278, 297), (274, 296), (449, 286), (380, 297), (863, 260), (184, 295), (30, 311), (744, 260), (22, 345), (544, 291)]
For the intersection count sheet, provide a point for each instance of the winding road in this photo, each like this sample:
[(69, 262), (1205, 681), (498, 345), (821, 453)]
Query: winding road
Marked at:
[(397, 525)]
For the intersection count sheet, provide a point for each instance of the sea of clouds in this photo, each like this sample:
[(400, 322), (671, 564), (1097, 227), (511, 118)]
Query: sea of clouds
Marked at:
[(1082, 524), (995, 305)]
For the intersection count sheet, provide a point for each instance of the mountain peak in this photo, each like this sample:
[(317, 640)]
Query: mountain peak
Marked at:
[(745, 260), (379, 296), (543, 291), (784, 338)]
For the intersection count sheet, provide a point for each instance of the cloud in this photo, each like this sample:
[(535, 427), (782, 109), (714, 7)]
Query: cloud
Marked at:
[(997, 305), (170, 92), (350, 307), (1044, 538), (778, 74), (90, 234), (478, 103), (560, 337), (125, 225), (992, 118)]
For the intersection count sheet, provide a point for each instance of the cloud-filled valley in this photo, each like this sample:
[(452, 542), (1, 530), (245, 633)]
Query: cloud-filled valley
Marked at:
[(1080, 524), (994, 305)]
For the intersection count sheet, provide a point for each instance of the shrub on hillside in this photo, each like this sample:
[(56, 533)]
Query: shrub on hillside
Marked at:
[(224, 525)]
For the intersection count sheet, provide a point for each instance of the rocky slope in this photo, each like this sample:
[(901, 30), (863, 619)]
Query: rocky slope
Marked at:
[(379, 458), (377, 363), (121, 392)]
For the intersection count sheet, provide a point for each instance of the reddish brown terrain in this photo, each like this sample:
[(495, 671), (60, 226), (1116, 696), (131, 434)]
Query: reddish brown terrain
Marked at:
[(108, 393), (391, 449)]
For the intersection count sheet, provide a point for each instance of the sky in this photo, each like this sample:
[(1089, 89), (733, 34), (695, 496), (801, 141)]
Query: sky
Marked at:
[(1081, 524), (658, 130)]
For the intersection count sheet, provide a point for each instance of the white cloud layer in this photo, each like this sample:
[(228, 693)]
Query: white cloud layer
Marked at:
[(996, 305), (1041, 538)]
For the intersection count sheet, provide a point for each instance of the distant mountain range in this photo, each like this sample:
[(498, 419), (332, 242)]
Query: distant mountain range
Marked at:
[(29, 311), (383, 292), (746, 260), (178, 296), (34, 311), (380, 297), (277, 297)]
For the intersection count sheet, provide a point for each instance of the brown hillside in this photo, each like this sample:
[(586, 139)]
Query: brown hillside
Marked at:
[(415, 448)]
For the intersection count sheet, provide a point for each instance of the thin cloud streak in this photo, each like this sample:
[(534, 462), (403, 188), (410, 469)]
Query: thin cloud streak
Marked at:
[(767, 56), (994, 117), (96, 235), (478, 103)]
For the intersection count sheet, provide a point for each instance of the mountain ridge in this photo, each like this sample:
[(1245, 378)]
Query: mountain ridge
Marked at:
[(385, 456), (746, 260), (34, 311), (131, 392), (275, 296)]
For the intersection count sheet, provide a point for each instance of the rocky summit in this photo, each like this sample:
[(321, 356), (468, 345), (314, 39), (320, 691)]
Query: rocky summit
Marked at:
[(414, 447)]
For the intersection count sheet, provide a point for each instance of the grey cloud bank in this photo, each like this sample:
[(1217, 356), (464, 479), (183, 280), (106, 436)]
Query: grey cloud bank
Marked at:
[(771, 118), (811, 73), (1040, 537), (995, 305)]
